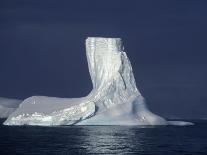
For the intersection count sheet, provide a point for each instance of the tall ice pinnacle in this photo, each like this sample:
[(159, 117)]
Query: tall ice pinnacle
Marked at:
[(114, 99), (110, 70)]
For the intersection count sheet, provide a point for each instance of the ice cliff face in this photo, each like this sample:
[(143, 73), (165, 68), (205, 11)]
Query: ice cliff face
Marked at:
[(114, 100), (111, 72)]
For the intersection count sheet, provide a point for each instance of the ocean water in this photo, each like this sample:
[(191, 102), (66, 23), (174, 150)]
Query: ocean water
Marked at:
[(164, 140)]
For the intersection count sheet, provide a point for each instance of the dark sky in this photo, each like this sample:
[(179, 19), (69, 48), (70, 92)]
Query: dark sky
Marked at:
[(42, 49)]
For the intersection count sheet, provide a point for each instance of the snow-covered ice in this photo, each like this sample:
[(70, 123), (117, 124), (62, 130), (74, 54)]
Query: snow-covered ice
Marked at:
[(46, 111), (114, 99)]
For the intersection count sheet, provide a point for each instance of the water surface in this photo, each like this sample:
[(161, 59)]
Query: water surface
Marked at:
[(104, 139)]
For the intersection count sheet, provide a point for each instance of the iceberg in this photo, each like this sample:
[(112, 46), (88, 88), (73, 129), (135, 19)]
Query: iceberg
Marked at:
[(114, 99), (7, 106)]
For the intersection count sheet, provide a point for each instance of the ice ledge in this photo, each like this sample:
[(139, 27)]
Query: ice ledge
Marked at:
[(66, 116)]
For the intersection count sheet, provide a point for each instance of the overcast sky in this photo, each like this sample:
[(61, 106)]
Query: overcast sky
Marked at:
[(42, 49)]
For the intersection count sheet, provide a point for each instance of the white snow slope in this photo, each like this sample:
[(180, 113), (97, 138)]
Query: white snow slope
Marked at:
[(114, 100), (7, 106)]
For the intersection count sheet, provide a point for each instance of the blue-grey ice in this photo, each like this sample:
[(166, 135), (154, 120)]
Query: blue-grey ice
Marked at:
[(7, 106)]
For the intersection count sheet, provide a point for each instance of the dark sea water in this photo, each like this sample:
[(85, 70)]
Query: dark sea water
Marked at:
[(164, 140)]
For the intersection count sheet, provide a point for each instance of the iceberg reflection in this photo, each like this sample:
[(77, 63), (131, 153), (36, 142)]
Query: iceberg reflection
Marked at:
[(112, 139)]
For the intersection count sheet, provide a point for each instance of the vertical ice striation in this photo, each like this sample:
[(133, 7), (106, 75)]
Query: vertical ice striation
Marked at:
[(111, 72), (114, 100)]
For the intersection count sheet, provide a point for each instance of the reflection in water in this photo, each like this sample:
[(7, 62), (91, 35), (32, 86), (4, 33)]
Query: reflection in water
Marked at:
[(81, 139), (103, 140), (111, 139)]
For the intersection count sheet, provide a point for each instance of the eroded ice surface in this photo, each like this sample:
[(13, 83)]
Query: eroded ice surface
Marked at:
[(47, 111), (114, 100), (7, 106)]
